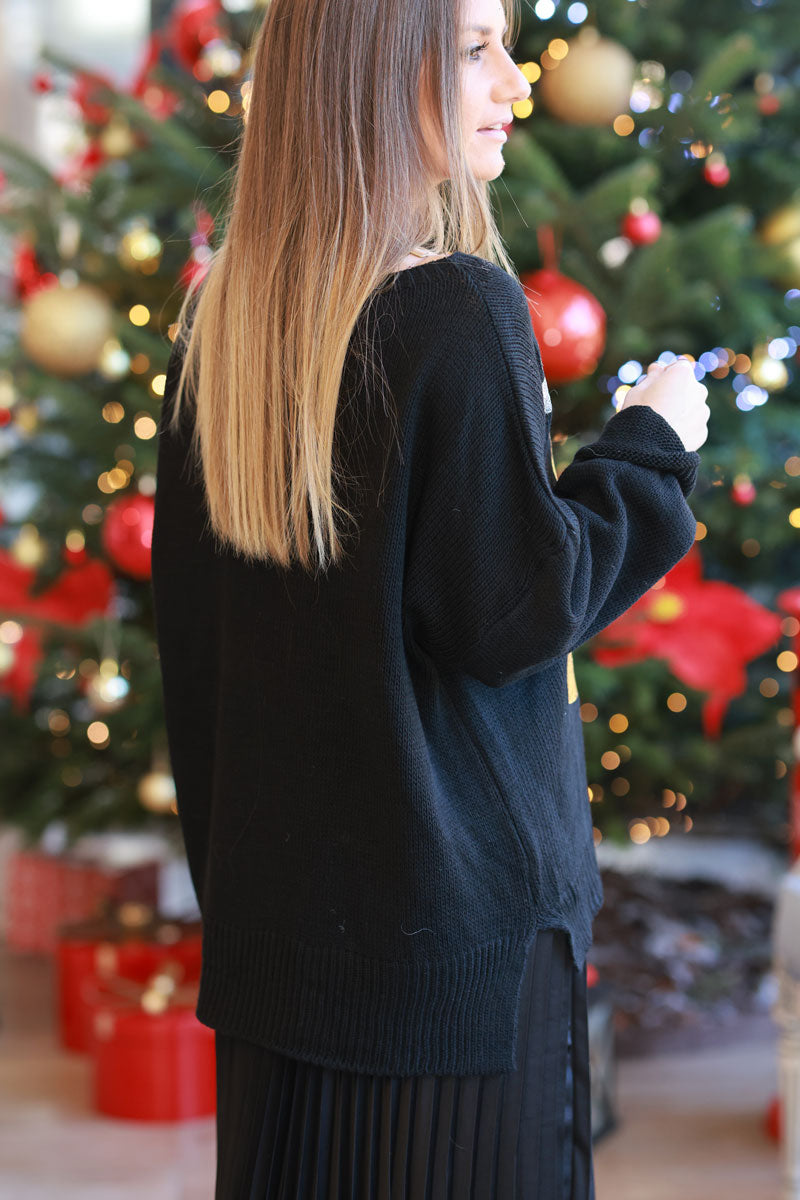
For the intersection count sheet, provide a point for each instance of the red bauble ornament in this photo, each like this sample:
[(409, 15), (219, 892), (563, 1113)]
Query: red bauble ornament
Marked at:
[(194, 23), (641, 228), (743, 492), (717, 174), (768, 104), (569, 323), (128, 534)]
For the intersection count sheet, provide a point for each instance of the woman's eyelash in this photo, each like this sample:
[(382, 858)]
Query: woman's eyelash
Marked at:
[(479, 49)]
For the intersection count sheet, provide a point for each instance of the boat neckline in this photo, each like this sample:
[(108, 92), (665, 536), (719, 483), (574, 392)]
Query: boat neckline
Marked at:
[(433, 262)]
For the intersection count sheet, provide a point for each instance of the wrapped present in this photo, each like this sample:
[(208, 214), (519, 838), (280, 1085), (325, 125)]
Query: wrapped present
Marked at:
[(43, 890), (129, 941), (152, 1059)]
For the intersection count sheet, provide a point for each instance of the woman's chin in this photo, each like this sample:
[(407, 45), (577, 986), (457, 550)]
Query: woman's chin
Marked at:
[(488, 167)]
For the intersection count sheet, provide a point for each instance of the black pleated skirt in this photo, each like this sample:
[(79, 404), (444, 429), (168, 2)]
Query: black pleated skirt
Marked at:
[(292, 1130)]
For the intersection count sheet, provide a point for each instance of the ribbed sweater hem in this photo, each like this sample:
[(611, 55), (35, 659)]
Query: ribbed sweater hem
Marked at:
[(338, 1009)]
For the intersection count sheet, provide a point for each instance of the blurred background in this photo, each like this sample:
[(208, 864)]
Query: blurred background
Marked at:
[(651, 205)]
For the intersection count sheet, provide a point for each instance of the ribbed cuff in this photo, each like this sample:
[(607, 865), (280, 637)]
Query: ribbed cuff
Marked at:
[(641, 435)]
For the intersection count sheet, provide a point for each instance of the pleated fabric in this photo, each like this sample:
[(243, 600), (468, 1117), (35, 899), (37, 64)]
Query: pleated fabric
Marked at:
[(292, 1130)]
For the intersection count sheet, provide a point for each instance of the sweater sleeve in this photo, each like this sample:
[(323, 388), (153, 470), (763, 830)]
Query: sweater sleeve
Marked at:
[(509, 568)]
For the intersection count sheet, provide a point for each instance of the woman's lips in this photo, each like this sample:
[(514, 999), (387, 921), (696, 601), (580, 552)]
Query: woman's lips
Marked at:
[(499, 135)]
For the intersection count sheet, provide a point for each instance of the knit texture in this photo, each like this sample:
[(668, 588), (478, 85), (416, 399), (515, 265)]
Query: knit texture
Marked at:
[(380, 772)]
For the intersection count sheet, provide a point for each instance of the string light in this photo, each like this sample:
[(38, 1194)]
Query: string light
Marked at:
[(531, 70), (721, 361), (577, 13), (218, 101), (139, 314)]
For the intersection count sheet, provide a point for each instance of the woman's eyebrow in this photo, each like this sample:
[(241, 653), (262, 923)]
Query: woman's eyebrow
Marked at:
[(486, 31)]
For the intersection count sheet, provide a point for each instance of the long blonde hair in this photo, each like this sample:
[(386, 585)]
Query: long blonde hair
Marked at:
[(318, 219)]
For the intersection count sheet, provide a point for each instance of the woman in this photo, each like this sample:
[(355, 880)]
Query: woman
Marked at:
[(374, 730)]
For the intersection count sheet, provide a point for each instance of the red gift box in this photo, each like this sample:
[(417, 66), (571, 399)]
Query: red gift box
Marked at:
[(44, 890), (153, 1060), (130, 942)]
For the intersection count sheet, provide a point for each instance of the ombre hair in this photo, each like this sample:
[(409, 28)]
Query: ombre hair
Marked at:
[(332, 189)]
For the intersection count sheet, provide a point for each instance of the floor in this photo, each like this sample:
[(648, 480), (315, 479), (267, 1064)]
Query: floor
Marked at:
[(691, 1125)]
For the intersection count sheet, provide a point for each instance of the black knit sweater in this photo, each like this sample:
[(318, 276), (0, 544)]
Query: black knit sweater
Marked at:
[(380, 771)]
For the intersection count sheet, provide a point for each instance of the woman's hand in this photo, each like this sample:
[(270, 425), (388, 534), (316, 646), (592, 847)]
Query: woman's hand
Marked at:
[(674, 392)]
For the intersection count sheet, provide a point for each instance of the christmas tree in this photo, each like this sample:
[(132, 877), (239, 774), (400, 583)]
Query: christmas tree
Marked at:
[(650, 203), (653, 179), (103, 252)]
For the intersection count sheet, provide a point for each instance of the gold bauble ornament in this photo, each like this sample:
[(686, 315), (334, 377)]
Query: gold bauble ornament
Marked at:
[(65, 328), (117, 140), (592, 84), (140, 249), (26, 419), (767, 372), (782, 229), (782, 225), (156, 792), (28, 548)]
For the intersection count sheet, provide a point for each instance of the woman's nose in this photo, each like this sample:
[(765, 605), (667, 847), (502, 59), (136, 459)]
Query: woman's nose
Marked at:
[(522, 84)]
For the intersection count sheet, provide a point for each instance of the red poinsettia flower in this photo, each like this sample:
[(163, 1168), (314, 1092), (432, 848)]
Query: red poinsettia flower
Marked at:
[(705, 629), (28, 275), (86, 90), (81, 169), (18, 679), (157, 99), (79, 593), (194, 24)]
